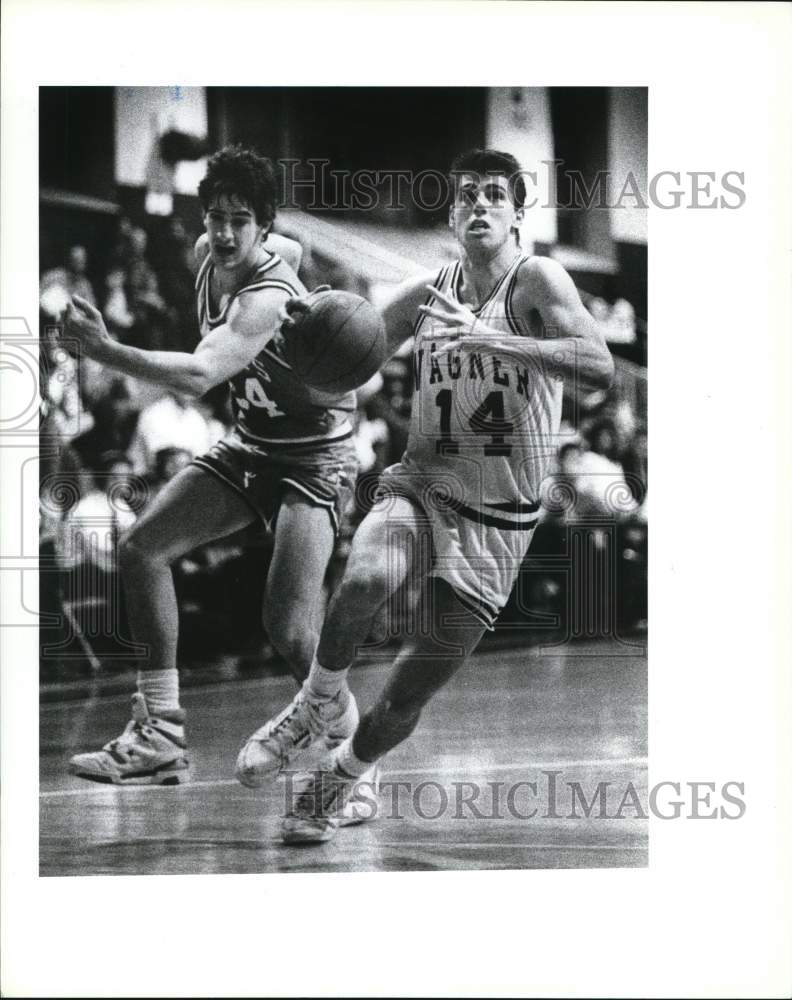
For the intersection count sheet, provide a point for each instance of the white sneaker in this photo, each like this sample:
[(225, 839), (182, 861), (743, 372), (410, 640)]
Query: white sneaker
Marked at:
[(296, 728), (150, 751), (362, 804), (317, 810)]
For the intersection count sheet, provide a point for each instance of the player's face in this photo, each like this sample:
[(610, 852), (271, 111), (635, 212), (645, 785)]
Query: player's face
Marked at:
[(483, 214), (234, 234)]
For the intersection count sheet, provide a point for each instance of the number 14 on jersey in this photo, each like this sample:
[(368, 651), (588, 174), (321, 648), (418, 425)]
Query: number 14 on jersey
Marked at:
[(488, 420)]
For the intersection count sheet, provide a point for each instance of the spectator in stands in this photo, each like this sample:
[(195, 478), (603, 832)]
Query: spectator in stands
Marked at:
[(371, 431), (174, 263), (118, 315), (121, 253), (113, 426), (90, 529), (173, 421), (393, 404), (62, 400), (621, 327), (598, 308), (587, 485), (618, 320), (560, 488), (140, 275), (58, 285), (151, 327), (603, 439)]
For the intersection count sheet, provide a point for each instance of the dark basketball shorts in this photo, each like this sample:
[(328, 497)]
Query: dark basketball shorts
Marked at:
[(322, 473)]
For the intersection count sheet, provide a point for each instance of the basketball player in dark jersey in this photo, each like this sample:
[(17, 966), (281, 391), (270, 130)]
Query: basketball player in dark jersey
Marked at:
[(288, 463), (494, 341)]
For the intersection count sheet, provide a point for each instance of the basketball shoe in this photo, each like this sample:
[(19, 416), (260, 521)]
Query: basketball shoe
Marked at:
[(360, 806), (301, 724), (322, 805), (150, 751)]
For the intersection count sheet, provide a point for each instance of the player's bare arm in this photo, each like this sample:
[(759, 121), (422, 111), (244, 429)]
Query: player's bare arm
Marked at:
[(292, 244), (290, 250), (252, 321), (570, 340), (401, 311)]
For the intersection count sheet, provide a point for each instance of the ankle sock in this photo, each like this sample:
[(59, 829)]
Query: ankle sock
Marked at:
[(348, 762), (160, 688), (323, 683)]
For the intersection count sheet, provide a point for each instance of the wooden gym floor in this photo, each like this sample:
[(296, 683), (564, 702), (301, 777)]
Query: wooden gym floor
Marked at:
[(507, 718)]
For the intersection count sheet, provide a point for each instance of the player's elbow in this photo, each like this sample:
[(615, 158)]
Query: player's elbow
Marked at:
[(198, 387), (602, 367), (597, 372), (194, 381)]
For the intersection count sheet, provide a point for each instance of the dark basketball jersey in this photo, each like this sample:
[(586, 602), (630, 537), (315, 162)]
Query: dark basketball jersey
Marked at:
[(271, 404), (484, 421)]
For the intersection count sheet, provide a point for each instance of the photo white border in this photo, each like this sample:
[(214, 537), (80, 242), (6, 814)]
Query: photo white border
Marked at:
[(711, 915)]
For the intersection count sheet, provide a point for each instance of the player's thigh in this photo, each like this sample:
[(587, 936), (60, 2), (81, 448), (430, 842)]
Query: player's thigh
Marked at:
[(304, 540), (392, 543), (449, 633), (194, 508)]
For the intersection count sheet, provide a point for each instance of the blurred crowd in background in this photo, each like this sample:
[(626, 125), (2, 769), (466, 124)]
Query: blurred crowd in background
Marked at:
[(109, 444)]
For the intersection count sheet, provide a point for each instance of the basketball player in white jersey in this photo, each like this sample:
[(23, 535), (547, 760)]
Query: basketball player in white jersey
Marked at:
[(287, 464), (495, 340)]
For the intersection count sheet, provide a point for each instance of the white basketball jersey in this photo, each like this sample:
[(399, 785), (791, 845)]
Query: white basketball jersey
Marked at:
[(484, 422)]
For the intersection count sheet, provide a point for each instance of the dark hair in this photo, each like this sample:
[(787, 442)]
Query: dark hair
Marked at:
[(236, 171), (604, 425), (164, 455), (491, 161), (108, 459), (565, 449)]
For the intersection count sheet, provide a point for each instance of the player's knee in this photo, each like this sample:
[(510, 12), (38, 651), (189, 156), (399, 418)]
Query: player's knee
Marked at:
[(134, 552), (366, 583), (131, 553)]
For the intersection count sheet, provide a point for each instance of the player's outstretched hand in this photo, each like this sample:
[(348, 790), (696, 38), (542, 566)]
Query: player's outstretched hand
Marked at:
[(292, 309), (83, 323), (457, 319)]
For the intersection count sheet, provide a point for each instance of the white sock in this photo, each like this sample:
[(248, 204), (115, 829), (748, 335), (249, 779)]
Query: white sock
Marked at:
[(347, 760), (160, 688), (323, 683)]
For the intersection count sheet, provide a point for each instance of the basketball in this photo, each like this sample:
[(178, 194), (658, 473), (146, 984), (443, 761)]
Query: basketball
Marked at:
[(338, 342)]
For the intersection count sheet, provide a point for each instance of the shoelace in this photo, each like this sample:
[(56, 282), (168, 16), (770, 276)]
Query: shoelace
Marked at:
[(287, 722), (316, 721), (134, 732), (313, 719)]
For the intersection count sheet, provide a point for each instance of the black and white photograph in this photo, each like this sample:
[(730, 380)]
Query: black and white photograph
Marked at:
[(329, 589), (347, 481)]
